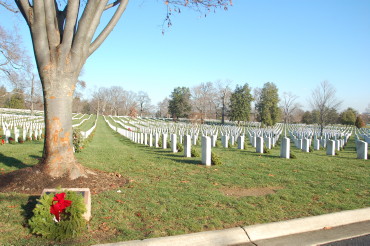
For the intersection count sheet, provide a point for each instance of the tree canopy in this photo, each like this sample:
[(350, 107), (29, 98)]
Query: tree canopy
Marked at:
[(267, 108), (179, 103), (240, 103)]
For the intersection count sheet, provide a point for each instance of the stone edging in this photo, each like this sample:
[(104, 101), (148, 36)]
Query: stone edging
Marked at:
[(248, 234)]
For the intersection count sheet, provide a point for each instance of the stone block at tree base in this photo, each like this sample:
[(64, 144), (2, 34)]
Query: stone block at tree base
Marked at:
[(85, 192)]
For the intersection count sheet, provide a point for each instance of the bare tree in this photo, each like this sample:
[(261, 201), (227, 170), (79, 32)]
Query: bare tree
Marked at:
[(163, 108), (12, 57), (324, 101), (129, 103), (288, 106), (144, 101), (202, 98), (64, 34), (223, 94)]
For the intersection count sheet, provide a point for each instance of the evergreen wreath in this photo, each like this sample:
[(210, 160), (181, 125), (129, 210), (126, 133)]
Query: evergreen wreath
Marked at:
[(69, 223)]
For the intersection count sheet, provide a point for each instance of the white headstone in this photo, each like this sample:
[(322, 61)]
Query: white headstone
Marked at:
[(173, 143), (361, 148), (187, 146), (225, 141), (316, 144), (241, 142), (285, 148), (330, 147), (259, 145), (206, 150), (164, 141), (306, 145)]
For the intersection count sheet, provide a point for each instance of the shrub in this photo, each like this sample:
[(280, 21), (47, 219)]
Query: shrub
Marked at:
[(180, 147), (160, 142), (11, 140), (215, 159), (71, 223), (77, 140), (292, 156), (33, 137), (266, 150), (28, 138), (310, 149), (336, 152), (20, 140), (218, 143), (194, 152), (360, 123)]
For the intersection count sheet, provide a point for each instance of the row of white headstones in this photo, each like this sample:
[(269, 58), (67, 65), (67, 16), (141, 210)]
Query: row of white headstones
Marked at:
[(21, 126), (149, 133), (31, 126)]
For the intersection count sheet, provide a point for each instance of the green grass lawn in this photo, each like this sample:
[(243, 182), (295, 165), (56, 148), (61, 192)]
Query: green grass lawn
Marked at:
[(169, 194)]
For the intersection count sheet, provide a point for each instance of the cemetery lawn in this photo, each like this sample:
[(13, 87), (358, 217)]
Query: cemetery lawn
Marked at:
[(168, 194)]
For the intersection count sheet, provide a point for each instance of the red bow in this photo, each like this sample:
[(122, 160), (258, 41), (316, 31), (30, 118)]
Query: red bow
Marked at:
[(60, 205)]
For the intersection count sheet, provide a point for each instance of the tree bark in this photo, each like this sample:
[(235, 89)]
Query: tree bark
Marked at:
[(58, 156)]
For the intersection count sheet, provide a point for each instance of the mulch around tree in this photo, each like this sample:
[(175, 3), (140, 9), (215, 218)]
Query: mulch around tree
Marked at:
[(32, 181)]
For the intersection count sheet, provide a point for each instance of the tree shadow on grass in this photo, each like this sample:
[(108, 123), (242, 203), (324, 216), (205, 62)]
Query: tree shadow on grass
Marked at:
[(27, 212), (12, 162), (187, 161)]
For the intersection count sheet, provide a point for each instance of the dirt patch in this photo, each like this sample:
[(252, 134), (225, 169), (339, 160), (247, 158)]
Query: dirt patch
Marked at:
[(32, 181), (241, 192)]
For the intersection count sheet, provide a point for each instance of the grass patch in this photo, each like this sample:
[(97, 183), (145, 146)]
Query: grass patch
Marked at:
[(169, 194)]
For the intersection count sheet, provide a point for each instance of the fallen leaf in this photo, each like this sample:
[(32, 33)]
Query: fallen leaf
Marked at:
[(185, 181), (120, 201), (271, 175), (328, 228)]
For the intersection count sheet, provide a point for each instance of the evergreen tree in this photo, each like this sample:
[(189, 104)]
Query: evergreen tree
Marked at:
[(16, 100), (240, 103), (179, 103), (348, 117), (267, 108)]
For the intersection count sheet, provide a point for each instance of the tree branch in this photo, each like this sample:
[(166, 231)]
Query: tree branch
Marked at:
[(26, 11), (52, 28), (112, 4), (40, 36), (83, 28), (8, 7), (108, 29), (70, 25)]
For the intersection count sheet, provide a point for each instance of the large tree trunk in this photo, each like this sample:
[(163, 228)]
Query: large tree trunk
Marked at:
[(58, 157)]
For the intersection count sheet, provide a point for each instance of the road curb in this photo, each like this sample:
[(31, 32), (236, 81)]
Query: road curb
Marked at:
[(248, 234), (294, 226)]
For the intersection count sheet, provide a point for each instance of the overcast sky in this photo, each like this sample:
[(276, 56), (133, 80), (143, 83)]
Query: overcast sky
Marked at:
[(294, 43)]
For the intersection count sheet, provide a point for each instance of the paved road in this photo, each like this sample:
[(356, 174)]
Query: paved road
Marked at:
[(356, 241)]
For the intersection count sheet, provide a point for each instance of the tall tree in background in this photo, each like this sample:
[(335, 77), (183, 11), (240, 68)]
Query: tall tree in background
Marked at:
[(162, 108), (348, 117), (12, 57), (3, 93), (144, 101), (267, 107), (288, 106), (324, 101), (16, 99), (64, 34), (240, 103), (202, 98), (179, 103), (223, 94)]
